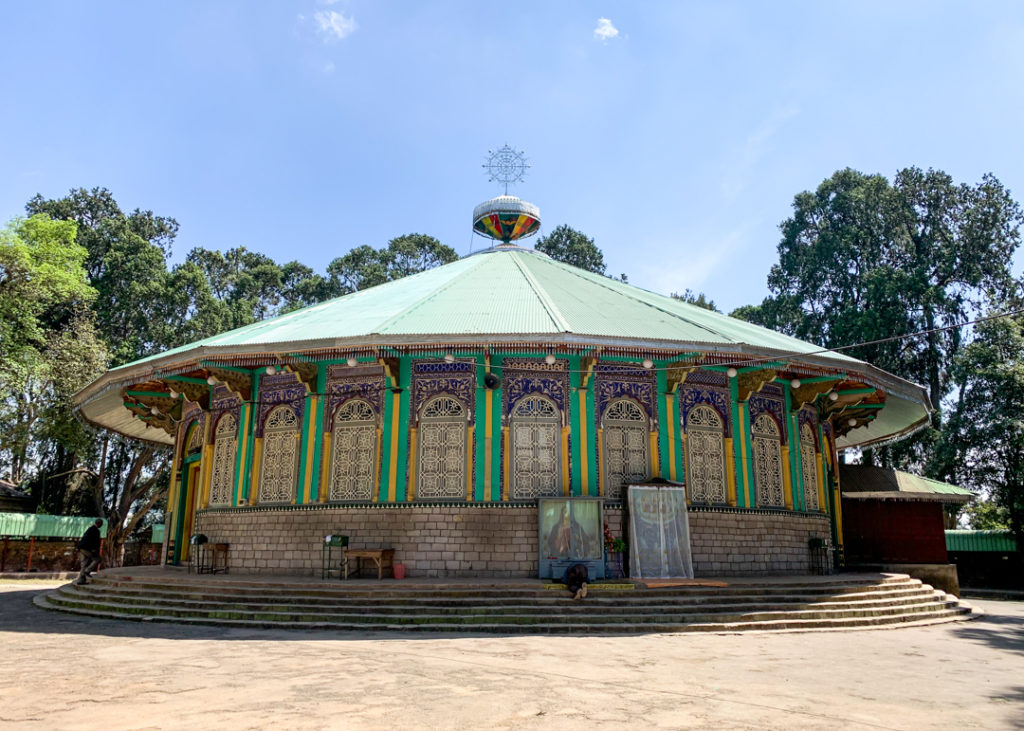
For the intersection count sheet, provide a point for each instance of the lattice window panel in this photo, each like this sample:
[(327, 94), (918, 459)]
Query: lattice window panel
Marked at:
[(225, 447), (280, 464), (442, 457), (808, 463), (705, 453), (626, 446), (535, 449), (353, 452), (767, 462), (195, 439)]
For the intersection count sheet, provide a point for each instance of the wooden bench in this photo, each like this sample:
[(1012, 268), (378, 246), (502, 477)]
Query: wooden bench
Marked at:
[(380, 556)]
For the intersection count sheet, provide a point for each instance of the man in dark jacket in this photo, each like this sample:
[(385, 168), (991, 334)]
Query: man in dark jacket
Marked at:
[(89, 550)]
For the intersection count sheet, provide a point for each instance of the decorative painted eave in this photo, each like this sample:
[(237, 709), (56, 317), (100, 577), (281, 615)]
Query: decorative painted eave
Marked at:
[(503, 298)]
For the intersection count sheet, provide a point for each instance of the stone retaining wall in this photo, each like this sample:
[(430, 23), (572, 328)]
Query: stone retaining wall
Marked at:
[(484, 541)]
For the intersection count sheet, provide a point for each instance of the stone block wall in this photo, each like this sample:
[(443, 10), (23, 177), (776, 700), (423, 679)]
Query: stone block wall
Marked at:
[(487, 541), (741, 543)]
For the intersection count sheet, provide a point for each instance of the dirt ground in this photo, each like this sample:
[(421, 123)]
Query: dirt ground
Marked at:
[(58, 671)]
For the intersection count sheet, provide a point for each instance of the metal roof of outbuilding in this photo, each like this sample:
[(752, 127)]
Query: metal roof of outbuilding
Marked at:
[(865, 482)]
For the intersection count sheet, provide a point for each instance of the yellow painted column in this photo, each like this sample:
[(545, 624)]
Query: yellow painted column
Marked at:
[(325, 465), (730, 472), (787, 479), (393, 462), (505, 462), (206, 464), (821, 484), (257, 455), (469, 464), (600, 461), (566, 487), (582, 431), (672, 426), (307, 479), (653, 440), (488, 465)]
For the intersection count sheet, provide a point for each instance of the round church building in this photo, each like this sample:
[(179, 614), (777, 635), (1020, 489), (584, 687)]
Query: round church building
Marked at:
[(493, 417)]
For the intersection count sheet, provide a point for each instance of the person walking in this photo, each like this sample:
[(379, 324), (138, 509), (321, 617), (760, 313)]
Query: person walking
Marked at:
[(89, 551)]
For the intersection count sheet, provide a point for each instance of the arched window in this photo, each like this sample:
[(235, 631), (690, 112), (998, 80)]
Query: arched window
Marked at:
[(705, 456), (280, 464), (626, 458), (353, 452), (225, 447), (767, 462), (808, 465), (442, 450), (535, 449)]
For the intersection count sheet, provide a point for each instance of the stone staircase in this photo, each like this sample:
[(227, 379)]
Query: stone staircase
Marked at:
[(512, 606)]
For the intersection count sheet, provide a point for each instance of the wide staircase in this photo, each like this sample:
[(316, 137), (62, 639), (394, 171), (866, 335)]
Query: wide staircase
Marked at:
[(512, 606)]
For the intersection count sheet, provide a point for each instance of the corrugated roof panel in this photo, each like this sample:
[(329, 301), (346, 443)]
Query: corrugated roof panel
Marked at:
[(31, 525), (999, 541)]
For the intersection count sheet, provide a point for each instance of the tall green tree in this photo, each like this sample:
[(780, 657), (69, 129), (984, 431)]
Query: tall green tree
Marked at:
[(48, 347), (573, 247), (987, 417), (699, 299), (863, 258)]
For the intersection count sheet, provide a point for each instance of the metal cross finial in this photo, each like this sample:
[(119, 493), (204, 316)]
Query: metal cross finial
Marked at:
[(505, 166)]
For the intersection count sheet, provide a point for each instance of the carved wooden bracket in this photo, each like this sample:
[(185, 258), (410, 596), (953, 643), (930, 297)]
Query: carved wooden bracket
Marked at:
[(307, 373), (142, 405), (237, 382), (587, 366), (808, 392), (752, 382), (197, 393), (391, 370), (675, 374)]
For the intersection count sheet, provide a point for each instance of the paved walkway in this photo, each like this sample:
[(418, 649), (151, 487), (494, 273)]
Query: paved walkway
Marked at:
[(62, 671)]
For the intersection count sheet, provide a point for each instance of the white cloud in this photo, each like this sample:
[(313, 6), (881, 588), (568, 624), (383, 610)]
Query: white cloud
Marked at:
[(605, 31), (333, 24), (329, 67)]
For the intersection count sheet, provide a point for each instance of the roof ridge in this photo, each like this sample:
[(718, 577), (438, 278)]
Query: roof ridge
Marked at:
[(549, 306), (627, 290)]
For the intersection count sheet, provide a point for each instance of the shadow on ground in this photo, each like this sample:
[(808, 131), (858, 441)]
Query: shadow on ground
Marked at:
[(1001, 631)]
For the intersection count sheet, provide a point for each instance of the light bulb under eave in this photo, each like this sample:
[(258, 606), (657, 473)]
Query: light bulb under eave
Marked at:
[(154, 411), (550, 359), (852, 422), (211, 380), (449, 358), (795, 383), (172, 393), (648, 363), (731, 372), (351, 362), (271, 370), (833, 396)]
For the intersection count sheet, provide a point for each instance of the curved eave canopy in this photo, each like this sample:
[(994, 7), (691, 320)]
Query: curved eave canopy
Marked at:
[(506, 295)]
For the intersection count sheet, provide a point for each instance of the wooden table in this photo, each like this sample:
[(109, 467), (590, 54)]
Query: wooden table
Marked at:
[(379, 556)]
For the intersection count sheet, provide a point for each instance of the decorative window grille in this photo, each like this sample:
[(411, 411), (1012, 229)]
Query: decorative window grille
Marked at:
[(224, 450), (705, 452), (535, 449), (442, 450), (195, 439), (280, 464), (353, 452), (767, 462), (809, 466), (626, 446)]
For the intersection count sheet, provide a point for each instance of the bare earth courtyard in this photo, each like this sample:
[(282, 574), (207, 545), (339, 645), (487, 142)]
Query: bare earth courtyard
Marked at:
[(63, 671)]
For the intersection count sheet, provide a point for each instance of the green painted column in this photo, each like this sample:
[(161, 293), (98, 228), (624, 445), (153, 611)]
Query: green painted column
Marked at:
[(593, 478), (738, 433), (300, 492), (242, 440), (404, 383), (254, 412), (796, 477), (676, 424), (318, 431), (496, 435), (750, 477), (664, 423), (480, 429), (387, 422), (575, 452)]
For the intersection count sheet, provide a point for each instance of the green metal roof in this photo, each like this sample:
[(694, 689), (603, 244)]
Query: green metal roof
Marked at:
[(980, 540), (864, 482), (158, 533), (31, 525), (505, 294)]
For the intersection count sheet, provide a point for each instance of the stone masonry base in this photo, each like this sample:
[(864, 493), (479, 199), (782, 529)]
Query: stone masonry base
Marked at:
[(492, 541)]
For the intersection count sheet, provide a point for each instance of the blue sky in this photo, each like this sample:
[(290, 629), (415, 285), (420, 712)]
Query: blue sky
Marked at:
[(676, 134)]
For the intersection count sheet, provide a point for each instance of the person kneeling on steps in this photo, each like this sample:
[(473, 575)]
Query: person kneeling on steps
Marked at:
[(576, 580)]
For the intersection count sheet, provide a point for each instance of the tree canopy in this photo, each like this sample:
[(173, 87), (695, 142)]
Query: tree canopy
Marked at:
[(570, 246)]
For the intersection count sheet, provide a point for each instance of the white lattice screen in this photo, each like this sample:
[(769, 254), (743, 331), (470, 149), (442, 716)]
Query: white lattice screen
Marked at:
[(626, 449), (279, 470), (535, 449), (442, 456), (705, 456), (808, 466), (767, 462), (225, 448), (353, 452)]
